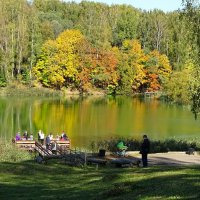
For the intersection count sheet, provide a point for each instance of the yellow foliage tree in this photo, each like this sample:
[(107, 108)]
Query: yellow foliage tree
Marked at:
[(132, 65), (59, 60)]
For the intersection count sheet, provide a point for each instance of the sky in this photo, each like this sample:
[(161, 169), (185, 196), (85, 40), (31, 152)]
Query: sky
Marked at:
[(165, 5)]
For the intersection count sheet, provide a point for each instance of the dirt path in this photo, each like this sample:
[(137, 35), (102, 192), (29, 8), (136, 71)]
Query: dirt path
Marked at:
[(170, 158)]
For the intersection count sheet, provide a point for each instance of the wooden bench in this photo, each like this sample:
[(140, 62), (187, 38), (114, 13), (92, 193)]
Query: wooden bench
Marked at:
[(31, 144), (62, 146)]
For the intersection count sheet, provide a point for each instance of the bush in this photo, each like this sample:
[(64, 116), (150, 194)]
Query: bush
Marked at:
[(2, 82), (157, 146), (10, 153)]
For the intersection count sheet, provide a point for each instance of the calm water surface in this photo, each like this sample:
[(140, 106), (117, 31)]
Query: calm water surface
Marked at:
[(95, 118)]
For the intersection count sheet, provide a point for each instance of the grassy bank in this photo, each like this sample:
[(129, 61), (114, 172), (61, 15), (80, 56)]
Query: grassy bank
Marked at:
[(10, 153), (28, 180), (20, 90), (22, 178), (17, 89)]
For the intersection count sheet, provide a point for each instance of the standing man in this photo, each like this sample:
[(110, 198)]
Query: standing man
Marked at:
[(39, 136), (48, 142), (42, 138), (145, 147)]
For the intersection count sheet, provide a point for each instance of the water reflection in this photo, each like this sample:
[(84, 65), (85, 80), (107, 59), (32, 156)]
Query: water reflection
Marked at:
[(95, 118)]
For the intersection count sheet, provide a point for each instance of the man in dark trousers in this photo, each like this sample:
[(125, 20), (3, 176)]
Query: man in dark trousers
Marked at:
[(145, 147), (48, 142)]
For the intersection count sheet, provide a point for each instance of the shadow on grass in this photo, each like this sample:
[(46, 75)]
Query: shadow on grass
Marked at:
[(156, 183), (28, 180)]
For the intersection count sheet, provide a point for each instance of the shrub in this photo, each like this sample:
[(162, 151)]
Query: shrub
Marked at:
[(10, 153), (157, 146)]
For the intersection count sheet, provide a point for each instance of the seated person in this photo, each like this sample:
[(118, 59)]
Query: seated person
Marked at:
[(63, 136), (17, 137), (57, 137), (31, 137), (25, 135)]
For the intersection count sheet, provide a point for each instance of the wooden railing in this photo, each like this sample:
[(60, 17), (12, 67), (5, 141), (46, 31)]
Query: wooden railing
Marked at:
[(62, 147), (25, 144), (41, 150)]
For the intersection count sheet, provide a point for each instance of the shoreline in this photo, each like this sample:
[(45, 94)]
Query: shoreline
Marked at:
[(171, 158), (41, 91), (23, 90)]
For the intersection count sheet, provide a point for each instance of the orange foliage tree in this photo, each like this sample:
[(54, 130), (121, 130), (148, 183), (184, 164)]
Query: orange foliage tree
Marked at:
[(157, 69), (98, 70), (139, 71)]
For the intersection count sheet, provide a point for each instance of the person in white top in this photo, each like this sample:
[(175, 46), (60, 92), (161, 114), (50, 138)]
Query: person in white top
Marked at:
[(31, 137), (51, 136), (41, 137)]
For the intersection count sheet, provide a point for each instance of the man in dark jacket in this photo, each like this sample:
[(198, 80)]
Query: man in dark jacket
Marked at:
[(48, 142), (145, 147)]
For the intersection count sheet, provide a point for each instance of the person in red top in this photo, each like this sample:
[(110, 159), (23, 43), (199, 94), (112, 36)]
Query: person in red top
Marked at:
[(63, 136)]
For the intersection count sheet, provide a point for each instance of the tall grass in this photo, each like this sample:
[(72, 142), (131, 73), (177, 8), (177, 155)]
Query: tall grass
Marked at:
[(21, 90), (10, 153)]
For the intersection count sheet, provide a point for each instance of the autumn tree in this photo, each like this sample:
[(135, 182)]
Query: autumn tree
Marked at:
[(97, 71), (157, 69), (139, 71), (58, 63)]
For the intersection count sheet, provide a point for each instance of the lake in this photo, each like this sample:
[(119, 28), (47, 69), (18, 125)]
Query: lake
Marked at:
[(91, 118)]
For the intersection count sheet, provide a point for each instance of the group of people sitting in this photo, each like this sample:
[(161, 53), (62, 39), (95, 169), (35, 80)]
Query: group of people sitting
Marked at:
[(25, 136), (49, 139)]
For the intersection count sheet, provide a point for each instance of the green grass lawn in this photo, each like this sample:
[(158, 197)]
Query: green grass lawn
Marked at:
[(29, 180)]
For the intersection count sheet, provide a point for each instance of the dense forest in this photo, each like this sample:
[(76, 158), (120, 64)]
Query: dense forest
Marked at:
[(88, 46)]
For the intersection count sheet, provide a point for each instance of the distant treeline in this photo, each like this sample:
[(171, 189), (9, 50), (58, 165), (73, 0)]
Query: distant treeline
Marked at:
[(90, 45)]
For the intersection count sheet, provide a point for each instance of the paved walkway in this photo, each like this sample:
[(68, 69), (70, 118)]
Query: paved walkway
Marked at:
[(170, 158)]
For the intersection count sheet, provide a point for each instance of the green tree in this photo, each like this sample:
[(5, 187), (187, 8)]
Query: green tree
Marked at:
[(125, 23), (93, 23), (13, 38), (192, 13)]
